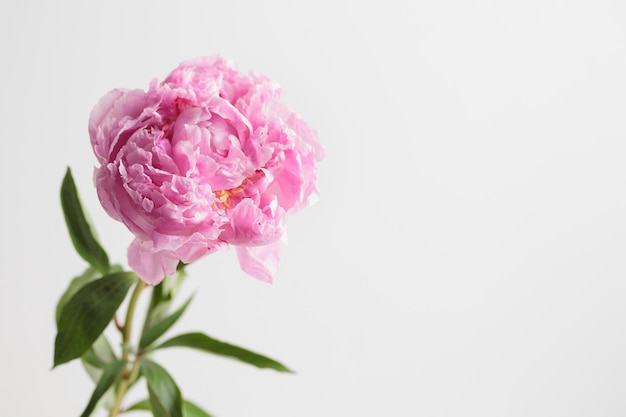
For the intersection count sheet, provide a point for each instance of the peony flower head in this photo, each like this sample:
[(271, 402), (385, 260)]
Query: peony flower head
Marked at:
[(207, 158)]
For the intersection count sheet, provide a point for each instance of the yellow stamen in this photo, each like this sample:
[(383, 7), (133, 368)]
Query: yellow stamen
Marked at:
[(224, 195)]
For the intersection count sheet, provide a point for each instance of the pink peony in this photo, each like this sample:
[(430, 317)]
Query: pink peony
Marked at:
[(207, 158)]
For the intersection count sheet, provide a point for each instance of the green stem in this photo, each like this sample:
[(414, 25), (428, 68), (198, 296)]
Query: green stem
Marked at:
[(129, 376), (129, 318), (127, 379)]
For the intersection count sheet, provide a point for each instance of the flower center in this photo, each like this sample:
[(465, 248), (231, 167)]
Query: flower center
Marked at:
[(224, 195)]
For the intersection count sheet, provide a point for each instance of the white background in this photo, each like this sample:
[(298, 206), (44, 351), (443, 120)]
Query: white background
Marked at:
[(466, 257)]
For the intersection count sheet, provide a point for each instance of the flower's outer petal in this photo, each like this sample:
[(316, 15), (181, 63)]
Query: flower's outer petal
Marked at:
[(118, 110), (251, 226), (149, 265), (260, 261), (195, 249)]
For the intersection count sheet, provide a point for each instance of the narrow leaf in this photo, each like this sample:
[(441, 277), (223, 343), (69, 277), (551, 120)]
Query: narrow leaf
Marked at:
[(90, 274), (143, 405), (158, 409), (100, 353), (192, 410), (111, 373), (165, 397), (97, 357), (205, 343), (88, 313), (102, 350), (153, 333), (81, 234), (90, 358), (94, 372), (162, 297)]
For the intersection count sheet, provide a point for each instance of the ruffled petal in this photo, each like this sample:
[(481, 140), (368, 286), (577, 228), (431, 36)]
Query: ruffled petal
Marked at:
[(261, 262), (152, 267)]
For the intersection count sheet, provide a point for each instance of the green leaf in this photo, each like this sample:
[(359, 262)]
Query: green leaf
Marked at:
[(165, 397), (111, 373), (97, 357), (192, 410), (205, 343), (162, 297), (90, 274), (153, 333), (100, 353), (80, 231), (143, 405), (87, 314), (102, 350)]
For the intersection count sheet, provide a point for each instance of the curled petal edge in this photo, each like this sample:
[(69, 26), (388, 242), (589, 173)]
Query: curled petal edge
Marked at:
[(261, 262), (152, 267)]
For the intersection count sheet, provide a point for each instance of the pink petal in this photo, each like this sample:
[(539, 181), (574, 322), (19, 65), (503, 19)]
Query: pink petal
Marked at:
[(260, 261), (150, 266)]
